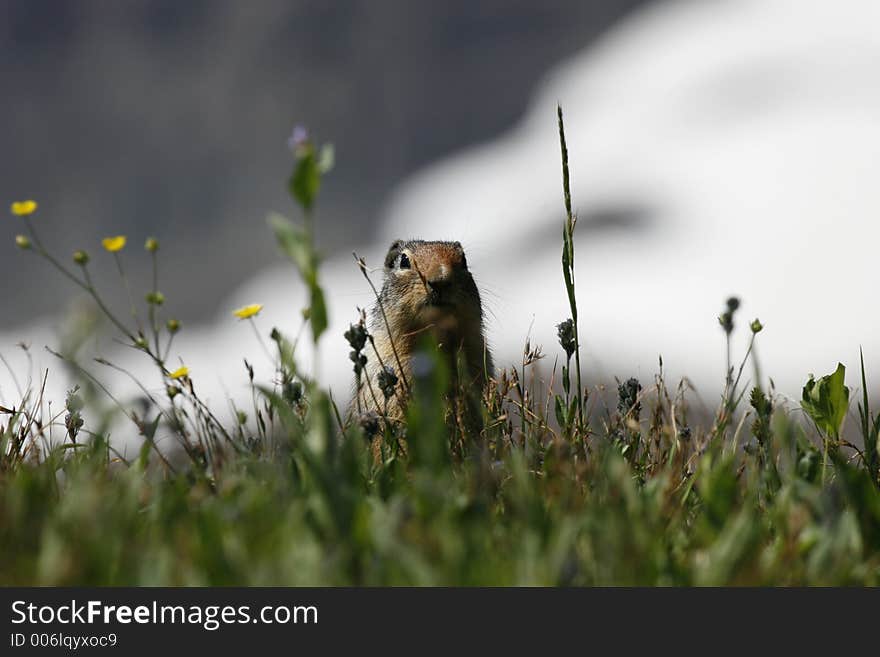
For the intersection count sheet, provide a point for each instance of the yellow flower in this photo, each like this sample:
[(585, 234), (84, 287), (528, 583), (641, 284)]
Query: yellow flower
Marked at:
[(179, 373), (23, 208), (114, 244), (248, 311)]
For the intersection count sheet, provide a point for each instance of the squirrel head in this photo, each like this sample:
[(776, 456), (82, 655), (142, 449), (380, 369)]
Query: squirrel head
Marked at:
[(428, 285)]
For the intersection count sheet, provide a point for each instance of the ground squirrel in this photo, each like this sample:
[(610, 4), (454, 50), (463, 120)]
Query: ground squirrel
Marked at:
[(428, 289)]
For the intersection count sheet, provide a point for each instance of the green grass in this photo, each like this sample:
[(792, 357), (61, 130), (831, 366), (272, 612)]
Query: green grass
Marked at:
[(557, 490)]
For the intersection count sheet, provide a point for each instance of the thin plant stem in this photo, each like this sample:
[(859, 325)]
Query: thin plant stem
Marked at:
[(260, 339), (90, 288), (124, 278), (168, 345), (85, 285), (363, 266), (568, 261), (154, 325)]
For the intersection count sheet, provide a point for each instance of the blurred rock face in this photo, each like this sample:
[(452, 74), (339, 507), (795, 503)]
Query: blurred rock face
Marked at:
[(168, 118), (714, 151)]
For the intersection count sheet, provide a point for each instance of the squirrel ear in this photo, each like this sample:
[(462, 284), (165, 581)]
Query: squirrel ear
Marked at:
[(393, 250), (458, 247)]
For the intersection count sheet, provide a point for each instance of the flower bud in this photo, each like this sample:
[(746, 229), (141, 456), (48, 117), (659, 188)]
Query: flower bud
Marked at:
[(387, 380), (369, 423), (565, 333), (152, 244), (173, 325), (356, 336), (81, 258), (22, 242), (756, 325)]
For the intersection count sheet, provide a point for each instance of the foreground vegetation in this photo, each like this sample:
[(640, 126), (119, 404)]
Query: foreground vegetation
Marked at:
[(558, 490)]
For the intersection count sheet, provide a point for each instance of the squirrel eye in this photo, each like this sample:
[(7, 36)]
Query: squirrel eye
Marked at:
[(404, 261)]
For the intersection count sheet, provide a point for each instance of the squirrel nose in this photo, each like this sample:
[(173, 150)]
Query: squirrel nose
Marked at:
[(438, 284), (438, 288)]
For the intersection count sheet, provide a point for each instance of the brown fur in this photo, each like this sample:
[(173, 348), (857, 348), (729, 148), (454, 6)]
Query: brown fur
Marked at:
[(428, 288)]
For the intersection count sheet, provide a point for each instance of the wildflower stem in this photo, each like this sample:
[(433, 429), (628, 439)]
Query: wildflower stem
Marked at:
[(730, 400), (260, 339), (208, 412), (729, 381), (568, 261), (743, 364), (110, 395), (151, 316), (296, 338), (168, 346), (382, 365), (757, 367), (124, 278), (90, 288), (154, 325), (155, 271), (307, 213), (363, 266), (45, 254), (85, 285)]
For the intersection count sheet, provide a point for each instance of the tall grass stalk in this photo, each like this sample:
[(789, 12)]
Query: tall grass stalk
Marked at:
[(568, 262)]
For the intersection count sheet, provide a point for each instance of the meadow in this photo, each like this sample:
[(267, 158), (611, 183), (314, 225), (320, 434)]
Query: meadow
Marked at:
[(560, 487)]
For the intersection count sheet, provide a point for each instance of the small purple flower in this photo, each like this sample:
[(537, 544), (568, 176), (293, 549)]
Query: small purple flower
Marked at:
[(299, 137)]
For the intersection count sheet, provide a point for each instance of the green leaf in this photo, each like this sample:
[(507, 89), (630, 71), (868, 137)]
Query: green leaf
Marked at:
[(826, 401), (144, 455), (318, 317), (560, 410), (566, 253), (574, 407), (282, 408), (295, 243), (807, 461), (306, 179)]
